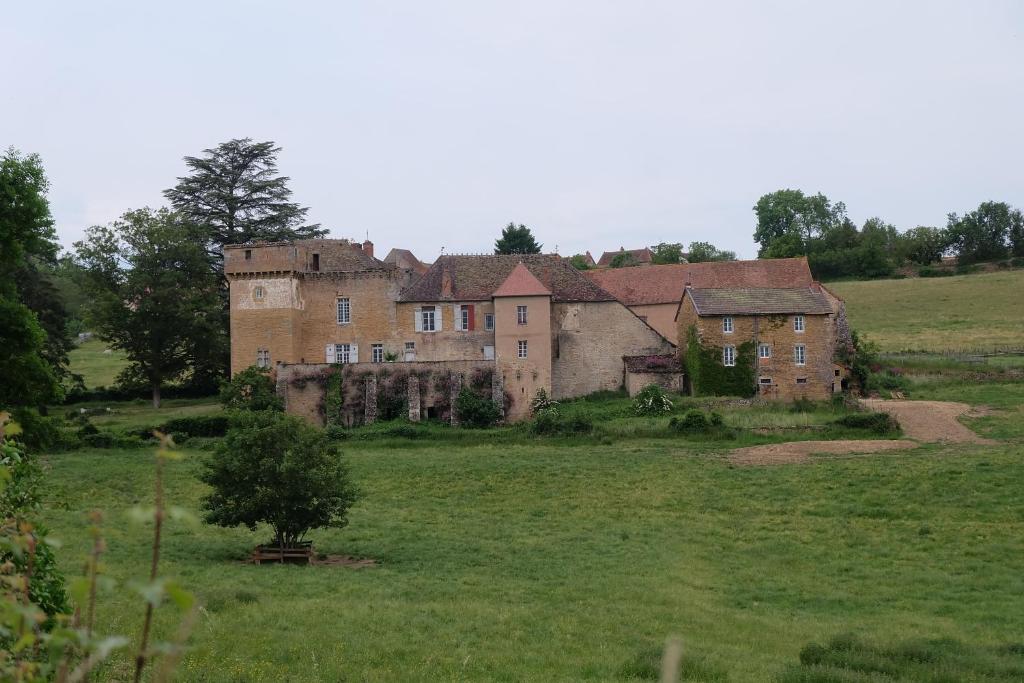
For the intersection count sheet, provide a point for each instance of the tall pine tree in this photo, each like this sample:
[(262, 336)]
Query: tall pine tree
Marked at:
[(234, 194)]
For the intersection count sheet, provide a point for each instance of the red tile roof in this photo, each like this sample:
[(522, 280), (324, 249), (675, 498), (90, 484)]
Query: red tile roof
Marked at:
[(646, 285), (476, 278), (639, 256), (521, 282)]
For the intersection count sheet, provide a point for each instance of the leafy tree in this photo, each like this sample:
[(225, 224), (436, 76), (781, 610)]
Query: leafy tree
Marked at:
[(251, 389), (26, 231), (516, 240), (38, 292), (701, 252), (623, 259), (988, 233), (476, 411), (667, 252), (579, 262), (923, 245), (234, 194), (153, 294), (787, 221), (275, 469)]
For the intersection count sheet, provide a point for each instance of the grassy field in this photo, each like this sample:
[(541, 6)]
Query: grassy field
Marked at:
[(97, 368), (546, 561), (973, 312)]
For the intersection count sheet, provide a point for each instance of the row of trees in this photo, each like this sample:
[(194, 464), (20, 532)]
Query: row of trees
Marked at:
[(790, 223)]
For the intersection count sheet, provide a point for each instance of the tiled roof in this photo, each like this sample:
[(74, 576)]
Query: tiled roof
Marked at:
[(648, 285), (476, 278), (403, 258), (760, 300), (521, 282), (639, 255)]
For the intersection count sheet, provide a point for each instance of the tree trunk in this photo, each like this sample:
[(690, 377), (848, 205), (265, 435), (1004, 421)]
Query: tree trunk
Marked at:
[(156, 395)]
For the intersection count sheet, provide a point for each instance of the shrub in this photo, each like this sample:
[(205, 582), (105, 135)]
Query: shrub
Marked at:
[(198, 425), (1017, 262), (929, 271), (475, 411), (802, 405), (550, 422), (336, 432), (541, 401), (275, 469), (887, 380), (652, 400), (879, 423), (251, 389), (38, 432), (695, 422)]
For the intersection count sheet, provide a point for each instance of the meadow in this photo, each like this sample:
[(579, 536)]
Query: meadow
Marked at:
[(503, 556), (978, 312), (97, 368)]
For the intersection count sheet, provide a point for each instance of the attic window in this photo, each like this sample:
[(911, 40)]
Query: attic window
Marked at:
[(798, 323), (727, 324)]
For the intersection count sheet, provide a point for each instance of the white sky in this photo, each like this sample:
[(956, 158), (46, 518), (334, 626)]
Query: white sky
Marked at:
[(598, 124)]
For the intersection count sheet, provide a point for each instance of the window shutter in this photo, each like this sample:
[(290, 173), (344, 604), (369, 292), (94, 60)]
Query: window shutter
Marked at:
[(438, 317), (330, 353), (472, 317), (456, 317), (353, 354), (417, 315)]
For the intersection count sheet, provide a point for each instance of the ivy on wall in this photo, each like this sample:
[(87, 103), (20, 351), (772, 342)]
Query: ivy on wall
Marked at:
[(334, 398), (709, 377)]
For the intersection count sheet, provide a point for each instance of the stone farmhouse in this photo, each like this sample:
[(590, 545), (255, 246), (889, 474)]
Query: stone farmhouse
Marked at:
[(405, 333), (532, 321)]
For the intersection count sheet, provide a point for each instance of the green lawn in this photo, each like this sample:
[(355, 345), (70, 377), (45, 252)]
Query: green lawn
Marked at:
[(964, 312), (545, 561), (140, 413), (97, 368)]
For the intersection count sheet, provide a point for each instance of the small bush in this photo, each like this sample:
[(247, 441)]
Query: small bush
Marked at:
[(967, 269), (336, 433), (1017, 262), (802, 405), (476, 411), (887, 380), (98, 440), (696, 423), (198, 425), (878, 423), (406, 430), (929, 271), (541, 402), (652, 400), (251, 389), (550, 422)]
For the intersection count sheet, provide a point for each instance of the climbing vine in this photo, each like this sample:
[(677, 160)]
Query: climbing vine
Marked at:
[(334, 397), (709, 377)]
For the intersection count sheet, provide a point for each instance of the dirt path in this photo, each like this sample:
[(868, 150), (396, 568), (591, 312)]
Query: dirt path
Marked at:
[(801, 451), (929, 420)]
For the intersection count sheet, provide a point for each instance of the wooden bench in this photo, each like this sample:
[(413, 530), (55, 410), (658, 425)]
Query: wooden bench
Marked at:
[(300, 554)]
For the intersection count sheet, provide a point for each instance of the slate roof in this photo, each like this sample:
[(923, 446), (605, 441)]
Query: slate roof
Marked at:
[(760, 300), (521, 282), (639, 255), (476, 278), (647, 285)]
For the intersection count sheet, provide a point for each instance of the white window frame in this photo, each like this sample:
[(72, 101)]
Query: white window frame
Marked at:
[(800, 354), (521, 315), (409, 354), (344, 309), (428, 313), (765, 381), (258, 292), (727, 326), (522, 348), (263, 358), (764, 351), (464, 318), (376, 353), (799, 324), (342, 353), (489, 322), (729, 356)]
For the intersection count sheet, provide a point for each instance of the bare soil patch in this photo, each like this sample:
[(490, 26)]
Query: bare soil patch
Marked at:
[(931, 420), (801, 451)]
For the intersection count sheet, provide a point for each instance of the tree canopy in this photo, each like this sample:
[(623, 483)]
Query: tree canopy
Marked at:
[(667, 252), (234, 194), (701, 252), (26, 233), (992, 231), (516, 239), (275, 469), (787, 221), (153, 294)]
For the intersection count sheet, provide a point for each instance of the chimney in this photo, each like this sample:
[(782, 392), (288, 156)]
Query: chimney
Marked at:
[(368, 248)]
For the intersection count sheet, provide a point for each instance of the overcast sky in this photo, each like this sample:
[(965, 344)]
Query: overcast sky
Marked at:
[(597, 124)]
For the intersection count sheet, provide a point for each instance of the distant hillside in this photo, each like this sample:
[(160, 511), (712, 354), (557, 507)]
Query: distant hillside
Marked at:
[(966, 312)]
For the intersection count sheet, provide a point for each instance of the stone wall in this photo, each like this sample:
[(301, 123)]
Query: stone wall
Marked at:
[(589, 341), (669, 381), (662, 317), (304, 387)]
